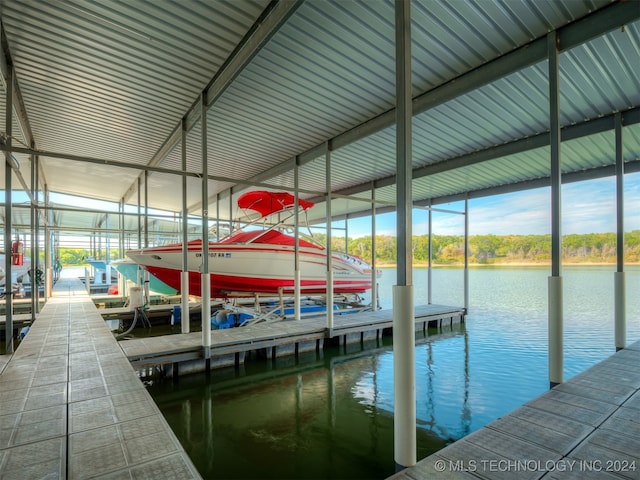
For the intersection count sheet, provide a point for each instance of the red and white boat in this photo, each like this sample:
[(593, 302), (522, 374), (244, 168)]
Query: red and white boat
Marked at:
[(258, 261)]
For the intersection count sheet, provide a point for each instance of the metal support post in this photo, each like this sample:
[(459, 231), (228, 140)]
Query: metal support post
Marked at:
[(329, 299), (296, 228), (184, 275), (8, 214), (555, 281), (619, 275), (206, 277), (403, 309)]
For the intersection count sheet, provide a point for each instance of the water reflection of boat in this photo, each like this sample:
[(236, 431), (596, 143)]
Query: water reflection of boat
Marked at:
[(254, 260)]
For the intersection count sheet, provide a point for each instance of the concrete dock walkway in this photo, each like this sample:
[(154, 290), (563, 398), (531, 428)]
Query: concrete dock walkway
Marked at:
[(71, 405), (585, 428)]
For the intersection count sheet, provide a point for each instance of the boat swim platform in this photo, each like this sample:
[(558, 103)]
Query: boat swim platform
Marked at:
[(72, 406), (585, 428), (183, 353)]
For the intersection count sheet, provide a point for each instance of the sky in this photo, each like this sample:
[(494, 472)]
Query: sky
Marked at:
[(587, 207)]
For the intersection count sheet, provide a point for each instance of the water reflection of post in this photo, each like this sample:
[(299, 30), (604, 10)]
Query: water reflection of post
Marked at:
[(186, 419), (207, 408), (332, 396), (299, 407), (373, 427), (430, 375), (466, 411)]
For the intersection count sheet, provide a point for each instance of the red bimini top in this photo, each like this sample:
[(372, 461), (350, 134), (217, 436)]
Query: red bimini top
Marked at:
[(267, 203)]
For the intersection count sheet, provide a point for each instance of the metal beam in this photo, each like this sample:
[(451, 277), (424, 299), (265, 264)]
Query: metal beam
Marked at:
[(581, 176), (144, 168), (570, 132), (267, 24), (16, 95), (576, 33)]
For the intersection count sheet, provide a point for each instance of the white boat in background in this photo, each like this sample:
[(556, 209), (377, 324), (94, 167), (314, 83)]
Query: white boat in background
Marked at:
[(259, 261), (19, 273)]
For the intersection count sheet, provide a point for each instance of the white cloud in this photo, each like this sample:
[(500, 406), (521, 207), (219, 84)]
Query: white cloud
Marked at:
[(587, 207)]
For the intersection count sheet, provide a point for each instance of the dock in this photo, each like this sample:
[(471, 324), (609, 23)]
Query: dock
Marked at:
[(17, 320), (72, 406), (585, 428), (184, 352)]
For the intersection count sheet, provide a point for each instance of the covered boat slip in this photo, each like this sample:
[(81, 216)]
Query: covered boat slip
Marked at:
[(71, 406), (287, 337), (587, 427)]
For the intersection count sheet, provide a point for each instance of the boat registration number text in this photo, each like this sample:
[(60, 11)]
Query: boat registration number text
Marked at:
[(216, 255)]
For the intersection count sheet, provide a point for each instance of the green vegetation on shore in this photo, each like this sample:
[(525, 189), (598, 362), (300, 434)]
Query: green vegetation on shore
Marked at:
[(483, 249), (497, 249)]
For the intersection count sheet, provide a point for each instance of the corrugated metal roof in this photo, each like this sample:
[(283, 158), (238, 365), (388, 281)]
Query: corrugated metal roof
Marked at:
[(112, 80)]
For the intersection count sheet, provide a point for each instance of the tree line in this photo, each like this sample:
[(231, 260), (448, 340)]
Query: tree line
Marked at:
[(449, 249), (496, 249)]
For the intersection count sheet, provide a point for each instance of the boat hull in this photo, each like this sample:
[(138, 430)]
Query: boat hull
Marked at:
[(237, 270), (129, 269)]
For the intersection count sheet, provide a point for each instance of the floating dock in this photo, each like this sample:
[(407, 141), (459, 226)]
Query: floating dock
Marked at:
[(17, 320), (71, 405), (183, 353), (585, 428)]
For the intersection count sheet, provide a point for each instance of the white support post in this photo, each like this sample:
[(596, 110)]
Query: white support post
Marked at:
[(620, 310), (556, 361), (404, 372), (184, 303)]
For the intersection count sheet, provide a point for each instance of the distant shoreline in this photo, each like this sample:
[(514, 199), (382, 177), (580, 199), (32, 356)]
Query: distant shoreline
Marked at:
[(510, 264)]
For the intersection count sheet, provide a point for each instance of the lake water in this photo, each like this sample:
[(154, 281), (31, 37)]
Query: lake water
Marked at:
[(330, 416)]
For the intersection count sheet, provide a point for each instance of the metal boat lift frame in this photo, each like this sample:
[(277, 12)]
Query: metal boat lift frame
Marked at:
[(270, 315)]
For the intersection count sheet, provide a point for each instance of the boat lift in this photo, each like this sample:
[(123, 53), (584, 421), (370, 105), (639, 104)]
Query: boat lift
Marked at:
[(268, 309)]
